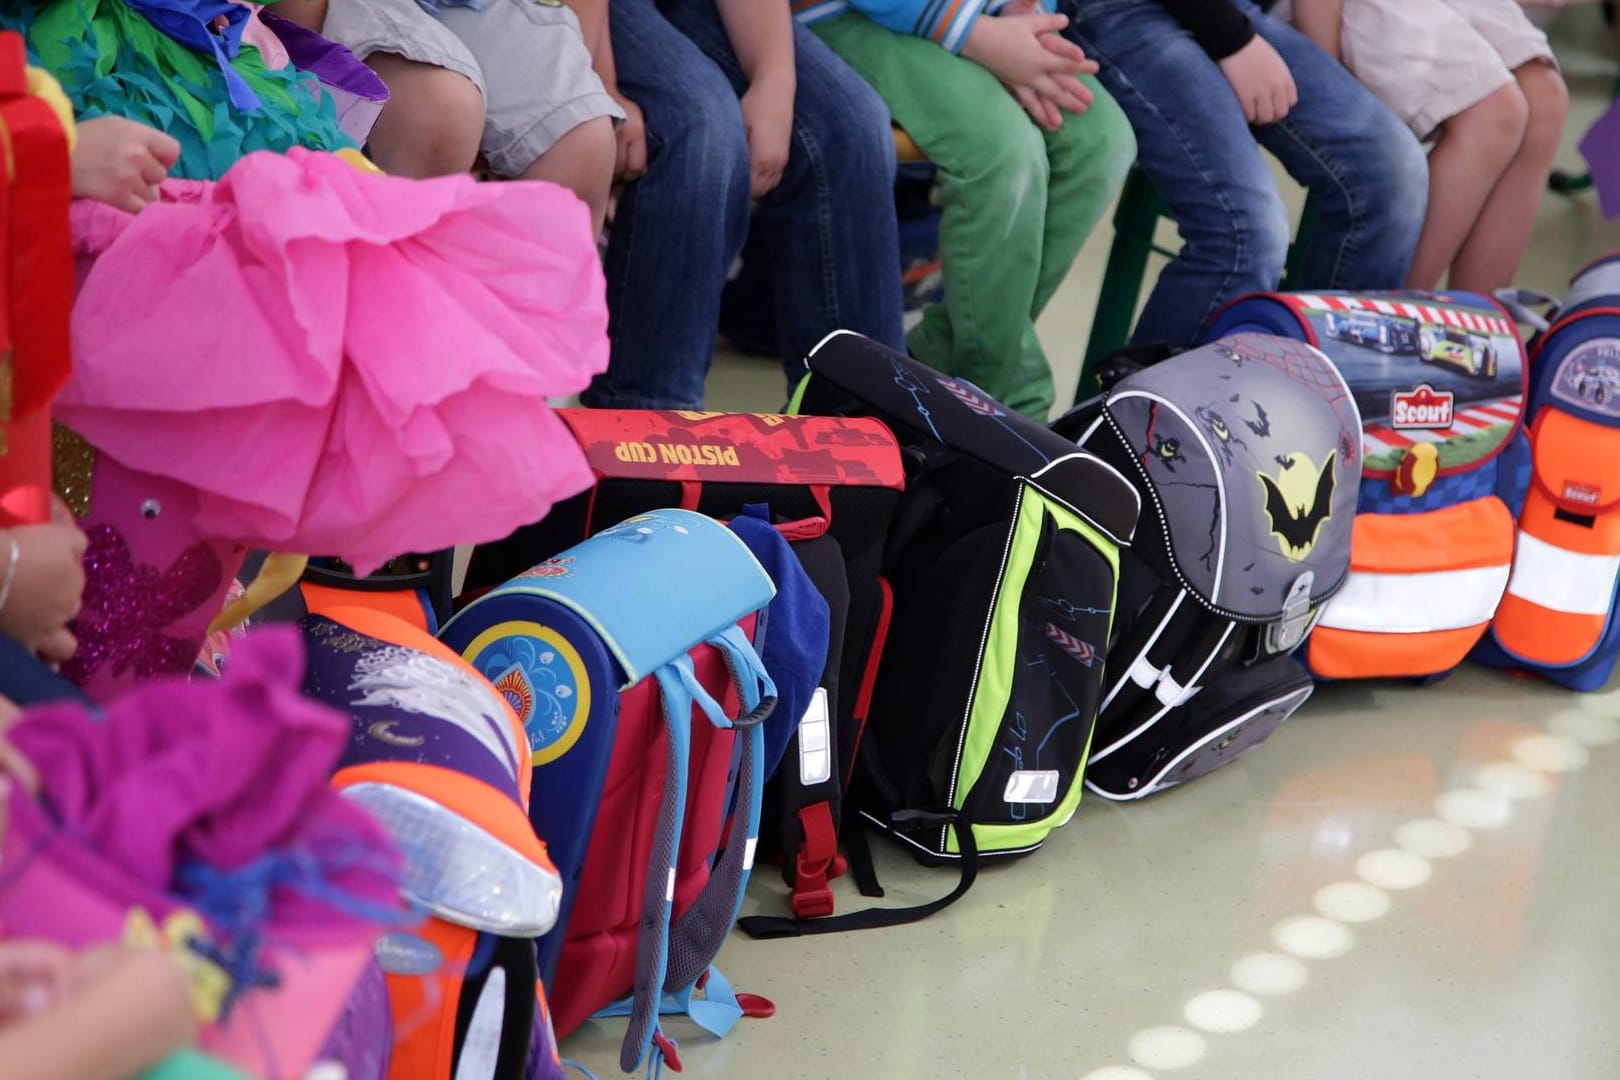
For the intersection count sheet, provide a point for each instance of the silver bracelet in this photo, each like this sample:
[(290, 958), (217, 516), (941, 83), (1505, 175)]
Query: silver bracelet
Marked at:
[(11, 571)]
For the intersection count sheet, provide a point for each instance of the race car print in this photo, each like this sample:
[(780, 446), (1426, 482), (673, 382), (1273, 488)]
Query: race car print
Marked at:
[(1369, 329), (1472, 354), (1598, 385)]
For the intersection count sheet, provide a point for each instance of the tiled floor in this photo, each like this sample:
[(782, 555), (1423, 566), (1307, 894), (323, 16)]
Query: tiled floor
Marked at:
[(1404, 883)]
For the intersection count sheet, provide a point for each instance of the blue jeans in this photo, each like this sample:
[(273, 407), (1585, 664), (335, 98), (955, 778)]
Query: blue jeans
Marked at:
[(677, 231), (1367, 172)]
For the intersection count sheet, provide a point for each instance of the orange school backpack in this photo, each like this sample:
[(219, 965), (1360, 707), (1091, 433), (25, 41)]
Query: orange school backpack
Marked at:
[(1440, 382), (1557, 618)]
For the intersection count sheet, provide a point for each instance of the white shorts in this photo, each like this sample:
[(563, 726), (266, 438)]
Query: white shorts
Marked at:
[(1429, 60)]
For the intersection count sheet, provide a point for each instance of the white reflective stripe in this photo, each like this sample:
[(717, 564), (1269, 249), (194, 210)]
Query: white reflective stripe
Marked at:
[(1171, 693), (1416, 603), (1032, 786), (748, 852), (1143, 673), (481, 1053), (1560, 580), (815, 741), (669, 890), (1164, 686)]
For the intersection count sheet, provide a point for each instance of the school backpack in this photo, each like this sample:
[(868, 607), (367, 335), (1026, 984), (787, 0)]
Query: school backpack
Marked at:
[(1002, 559), (1557, 618), (1439, 380), (628, 660), (830, 485), (437, 757), (1246, 453)]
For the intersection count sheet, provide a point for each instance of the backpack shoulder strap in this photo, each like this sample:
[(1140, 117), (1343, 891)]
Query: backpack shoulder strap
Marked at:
[(701, 931)]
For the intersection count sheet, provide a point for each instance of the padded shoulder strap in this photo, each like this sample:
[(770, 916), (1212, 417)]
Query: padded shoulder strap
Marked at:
[(697, 937), (676, 682)]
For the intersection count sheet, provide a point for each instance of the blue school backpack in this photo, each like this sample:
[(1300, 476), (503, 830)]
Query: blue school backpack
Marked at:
[(1557, 618), (628, 659), (1440, 383)]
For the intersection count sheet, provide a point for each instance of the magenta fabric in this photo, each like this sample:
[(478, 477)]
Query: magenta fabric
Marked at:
[(219, 773), (341, 362)]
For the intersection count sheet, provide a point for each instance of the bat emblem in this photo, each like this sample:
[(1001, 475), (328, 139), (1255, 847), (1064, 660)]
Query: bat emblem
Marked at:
[(1299, 501), (1261, 425)]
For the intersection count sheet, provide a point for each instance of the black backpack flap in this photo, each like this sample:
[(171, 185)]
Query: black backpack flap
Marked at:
[(1250, 452), (851, 375), (1230, 716)]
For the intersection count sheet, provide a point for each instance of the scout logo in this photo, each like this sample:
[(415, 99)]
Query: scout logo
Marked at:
[(1584, 494), (1299, 501), (1421, 409)]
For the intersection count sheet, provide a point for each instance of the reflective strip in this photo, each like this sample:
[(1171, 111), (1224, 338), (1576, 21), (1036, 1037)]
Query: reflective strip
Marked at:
[(1032, 786), (815, 741), (1565, 581), (1164, 686), (1416, 603)]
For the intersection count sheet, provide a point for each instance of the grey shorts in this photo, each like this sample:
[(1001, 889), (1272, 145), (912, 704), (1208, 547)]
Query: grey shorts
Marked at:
[(527, 58)]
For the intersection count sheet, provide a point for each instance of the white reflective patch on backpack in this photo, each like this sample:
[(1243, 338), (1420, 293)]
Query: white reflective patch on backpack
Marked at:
[(1032, 786), (815, 741)]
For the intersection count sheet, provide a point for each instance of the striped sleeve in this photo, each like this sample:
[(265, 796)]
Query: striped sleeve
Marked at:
[(945, 22)]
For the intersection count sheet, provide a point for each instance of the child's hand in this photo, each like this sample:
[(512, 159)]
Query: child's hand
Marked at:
[(1262, 82), (631, 137), (46, 588), (121, 163), (34, 976), (767, 110), (1039, 67)]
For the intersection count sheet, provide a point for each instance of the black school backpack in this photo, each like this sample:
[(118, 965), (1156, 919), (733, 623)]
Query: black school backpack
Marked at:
[(1247, 454), (1002, 561)]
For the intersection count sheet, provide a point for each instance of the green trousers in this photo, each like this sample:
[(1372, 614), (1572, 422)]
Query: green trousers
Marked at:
[(1016, 203)]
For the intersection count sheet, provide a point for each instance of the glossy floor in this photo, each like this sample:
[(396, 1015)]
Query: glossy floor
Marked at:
[(1403, 884)]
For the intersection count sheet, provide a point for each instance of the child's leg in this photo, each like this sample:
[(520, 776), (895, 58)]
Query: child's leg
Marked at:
[(1475, 149), (1089, 157), (549, 116), (1490, 258), (432, 122), (993, 175), (676, 230), (1364, 167), (434, 118), (582, 160), (829, 223)]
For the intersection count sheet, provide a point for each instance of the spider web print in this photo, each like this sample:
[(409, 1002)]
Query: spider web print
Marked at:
[(1307, 366)]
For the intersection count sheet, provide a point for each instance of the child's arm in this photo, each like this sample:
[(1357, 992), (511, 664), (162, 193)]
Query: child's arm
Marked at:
[(121, 163), (631, 135), (1037, 66), (1257, 74), (126, 1017), (761, 32), (1320, 20)]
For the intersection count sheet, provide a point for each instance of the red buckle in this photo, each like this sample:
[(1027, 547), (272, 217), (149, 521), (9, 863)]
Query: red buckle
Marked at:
[(818, 856), (666, 1047), (755, 1007), (812, 902)]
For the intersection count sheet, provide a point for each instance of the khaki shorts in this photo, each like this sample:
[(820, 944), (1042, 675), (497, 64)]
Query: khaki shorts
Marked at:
[(1428, 60), (527, 58)]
